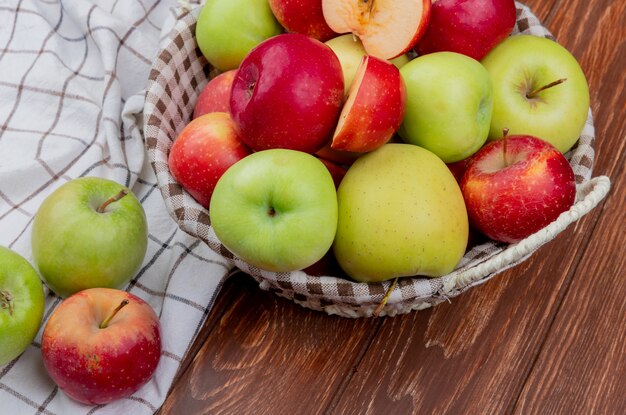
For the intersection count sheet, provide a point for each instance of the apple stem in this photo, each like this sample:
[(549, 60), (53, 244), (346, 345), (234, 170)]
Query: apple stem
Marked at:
[(543, 88), (6, 301), (505, 133), (112, 199), (106, 321), (383, 302)]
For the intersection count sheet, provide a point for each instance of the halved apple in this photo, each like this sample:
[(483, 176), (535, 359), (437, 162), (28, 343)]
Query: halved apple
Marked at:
[(374, 108), (387, 28)]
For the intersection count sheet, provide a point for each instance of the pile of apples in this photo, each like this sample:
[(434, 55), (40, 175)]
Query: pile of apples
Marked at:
[(89, 237), (381, 134)]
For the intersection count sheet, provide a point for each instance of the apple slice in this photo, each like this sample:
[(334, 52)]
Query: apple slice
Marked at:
[(374, 109), (387, 28)]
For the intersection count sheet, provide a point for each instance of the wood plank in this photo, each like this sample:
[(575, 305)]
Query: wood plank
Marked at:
[(268, 355)]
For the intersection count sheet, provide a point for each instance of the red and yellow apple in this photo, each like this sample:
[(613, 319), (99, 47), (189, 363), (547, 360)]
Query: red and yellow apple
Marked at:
[(302, 16), (215, 96)]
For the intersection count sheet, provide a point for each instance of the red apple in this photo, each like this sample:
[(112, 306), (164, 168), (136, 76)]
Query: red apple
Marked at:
[(374, 109), (101, 344), (203, 151), (458, 168), (515, 186), (470, 27), (215, 96), (336, 171), (337, 156), (387, 28), (288, 94), (302, 16)]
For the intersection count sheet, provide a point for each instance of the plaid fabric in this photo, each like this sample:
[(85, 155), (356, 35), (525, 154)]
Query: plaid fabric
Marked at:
[(177, 76), (71, 100)]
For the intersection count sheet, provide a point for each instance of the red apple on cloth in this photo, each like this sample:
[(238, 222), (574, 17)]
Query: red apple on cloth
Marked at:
[(374, 109), (215, 96), (101, 344), (515, 186), (302, 16), (387, 28), (288, 94), (203, 151), (470, 27)]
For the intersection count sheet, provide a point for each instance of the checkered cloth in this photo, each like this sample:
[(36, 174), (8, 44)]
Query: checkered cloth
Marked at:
[(71, 100)]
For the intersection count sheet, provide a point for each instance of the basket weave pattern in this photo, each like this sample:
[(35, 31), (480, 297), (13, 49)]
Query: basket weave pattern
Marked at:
[(178, 75)]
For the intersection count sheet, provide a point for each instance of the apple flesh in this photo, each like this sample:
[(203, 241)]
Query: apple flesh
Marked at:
[(539, 90), (276, 209), (21, 304), (387, 28), (215, 96), (515, 186), (90, 232), (101, 344), (374, 109), (302, 16), (203, 151), (287, 94), (401, 213), (470, 27)]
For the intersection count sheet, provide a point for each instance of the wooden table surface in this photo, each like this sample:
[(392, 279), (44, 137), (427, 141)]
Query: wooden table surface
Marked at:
[(546, 337)]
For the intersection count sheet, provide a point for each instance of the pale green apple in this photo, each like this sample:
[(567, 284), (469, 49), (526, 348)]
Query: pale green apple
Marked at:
[(448, 106), (401, 213), (228, 29), (21, 304), (519, 67), (276, 209), (350, 52), (90, 232)]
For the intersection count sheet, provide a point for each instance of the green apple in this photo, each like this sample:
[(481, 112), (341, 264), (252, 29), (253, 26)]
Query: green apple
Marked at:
[(90, 232), (449, 104), (401, 213), (350, 52), (228, 29), (539, 90), (21, 304), (276, 209)]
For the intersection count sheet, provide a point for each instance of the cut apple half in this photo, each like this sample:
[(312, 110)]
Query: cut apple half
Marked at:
[(374, 108), (387, 28)]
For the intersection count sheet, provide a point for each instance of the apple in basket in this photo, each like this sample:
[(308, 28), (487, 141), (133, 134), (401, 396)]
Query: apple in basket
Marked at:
[(21, 304), (539, 90), (101, 344), (515, 186), (215, 96), (302, 16), (470, 27), (287, 93)]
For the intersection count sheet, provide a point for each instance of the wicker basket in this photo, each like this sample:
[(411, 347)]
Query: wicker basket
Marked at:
[(179, 73)]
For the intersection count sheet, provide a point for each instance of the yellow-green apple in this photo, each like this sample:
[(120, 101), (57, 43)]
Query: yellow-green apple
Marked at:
[(374, 108), (470, 27), (228, 29), (90, 232), (449, 104), (21, 304), (101, 344), (539, 89), (387, 28), (203, 150), (215, 96), (302, 16), (287, 93), (515, 186), (350, 51), (276, 209), (401, 213)]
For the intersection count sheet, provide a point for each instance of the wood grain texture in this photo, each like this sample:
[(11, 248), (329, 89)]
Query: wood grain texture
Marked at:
[(547, 336)]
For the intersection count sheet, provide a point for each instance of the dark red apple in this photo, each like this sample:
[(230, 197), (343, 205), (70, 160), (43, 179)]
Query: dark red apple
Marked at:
[(470, 27), (203, 151), (215, 96), (101, 344), (515, 186), (336, 171), (302, 16), (287, 94)]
